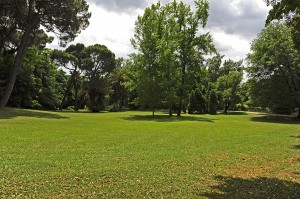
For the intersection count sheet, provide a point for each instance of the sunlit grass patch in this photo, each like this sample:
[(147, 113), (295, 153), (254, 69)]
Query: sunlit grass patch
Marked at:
[(134, 155)]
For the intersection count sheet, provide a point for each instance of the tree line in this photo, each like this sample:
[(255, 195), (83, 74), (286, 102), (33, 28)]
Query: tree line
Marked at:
[(176, 65)]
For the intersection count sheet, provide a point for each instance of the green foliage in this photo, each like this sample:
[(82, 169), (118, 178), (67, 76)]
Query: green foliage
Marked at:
[(97, 94), (148, 35), (197, 102), (289, 11), (25, 18), (246, 100), (191, 47), (273, 66), (117, 79), (66, 18), (131, 83), (92, 72), (192, 102), (273, 94), (39, 84), (98, 64), (29, 19), (229, 66), (229, 84), (213, 68), (72, 60), (170, 52)]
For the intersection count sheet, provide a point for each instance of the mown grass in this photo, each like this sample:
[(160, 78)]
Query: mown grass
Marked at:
[(135, 155)]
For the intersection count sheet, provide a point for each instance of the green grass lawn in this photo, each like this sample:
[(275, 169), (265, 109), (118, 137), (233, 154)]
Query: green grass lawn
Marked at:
[(135, 155)]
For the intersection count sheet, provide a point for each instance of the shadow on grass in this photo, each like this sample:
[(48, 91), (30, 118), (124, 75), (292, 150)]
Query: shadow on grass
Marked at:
[(10, 113), (83, 111), (296, 146), (276, 119), (258, 188), (237, 113), (166, 118), (296, 136)]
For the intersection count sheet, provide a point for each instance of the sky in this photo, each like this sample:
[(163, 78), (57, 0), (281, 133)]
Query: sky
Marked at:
[(232, 23)]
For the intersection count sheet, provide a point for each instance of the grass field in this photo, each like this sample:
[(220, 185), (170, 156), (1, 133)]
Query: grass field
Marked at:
[(135, 155)]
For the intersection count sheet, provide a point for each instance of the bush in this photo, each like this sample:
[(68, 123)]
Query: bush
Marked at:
[(36, 105), (197, 102), (114, 108), (281, 110)]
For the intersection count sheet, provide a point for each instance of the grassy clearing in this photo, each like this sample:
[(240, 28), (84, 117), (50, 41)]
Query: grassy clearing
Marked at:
[(133, 155)]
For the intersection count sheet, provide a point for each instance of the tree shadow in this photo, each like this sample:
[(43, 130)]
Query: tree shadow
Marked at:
[(276, 119), (295, 136), (296, 146), (258, 188), (82, 112), (237, 113), (166, 118), (10, 113)]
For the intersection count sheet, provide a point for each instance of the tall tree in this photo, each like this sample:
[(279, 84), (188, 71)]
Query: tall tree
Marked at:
[(167, 49), (98, 64), (190, 45), (71, 59), (166, 37), (148, 34), (65, 18), (229, 85), (116, 80), (132, 76), (274, 55)]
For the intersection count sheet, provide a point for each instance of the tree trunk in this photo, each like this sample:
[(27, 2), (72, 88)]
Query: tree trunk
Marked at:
[(298, 103), (170, 110), (69, 85), (153, 112), (226, 107), (17, 63), (225, 110), (1, 43), (298, 115), (76, 95), (180, 105), (294, 88), (121, 102), (121, 98), (181, 89)]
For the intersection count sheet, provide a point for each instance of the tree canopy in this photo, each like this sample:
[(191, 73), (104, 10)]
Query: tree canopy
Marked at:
[(65, 18), (288, 11), (171, 51), (273, 64)]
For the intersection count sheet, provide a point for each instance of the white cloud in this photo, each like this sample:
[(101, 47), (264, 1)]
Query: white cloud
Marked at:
[(120, 6), (109, 28), (233, 24), (233, 46)]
